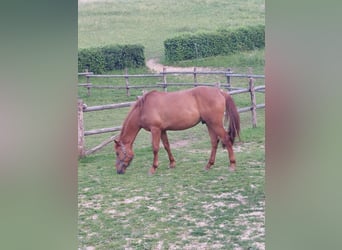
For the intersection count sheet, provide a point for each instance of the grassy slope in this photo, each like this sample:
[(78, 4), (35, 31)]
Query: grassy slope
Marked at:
[(184, 207), (151, 22)]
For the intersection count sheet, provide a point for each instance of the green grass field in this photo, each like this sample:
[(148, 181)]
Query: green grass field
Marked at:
[(185, 207), (151, 22)]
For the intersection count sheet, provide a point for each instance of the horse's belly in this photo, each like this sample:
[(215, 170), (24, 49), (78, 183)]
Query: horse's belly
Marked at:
[(181, 122), (181, 127)]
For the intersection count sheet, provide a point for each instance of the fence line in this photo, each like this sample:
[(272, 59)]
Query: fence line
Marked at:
[(83, 108), (163, 76)]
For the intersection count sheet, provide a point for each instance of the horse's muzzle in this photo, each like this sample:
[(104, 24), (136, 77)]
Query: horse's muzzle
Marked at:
[(120, 171), (122, 168)]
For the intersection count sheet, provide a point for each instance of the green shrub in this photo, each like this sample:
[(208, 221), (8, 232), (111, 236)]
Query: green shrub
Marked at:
[(91, 59), (223, 42), (99, 60)]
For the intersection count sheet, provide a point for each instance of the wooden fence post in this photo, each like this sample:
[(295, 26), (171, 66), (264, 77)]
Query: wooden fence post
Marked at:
[(88, 81), (127, 82), (81, 146), (195, 77), (228, 78), (253, 102), (164, 79)]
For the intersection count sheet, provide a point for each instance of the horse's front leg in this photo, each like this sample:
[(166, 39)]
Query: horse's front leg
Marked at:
[(156, 133), (166, 144)]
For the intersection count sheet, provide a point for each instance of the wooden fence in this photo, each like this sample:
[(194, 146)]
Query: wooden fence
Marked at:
[(252, 89), (163, 79)]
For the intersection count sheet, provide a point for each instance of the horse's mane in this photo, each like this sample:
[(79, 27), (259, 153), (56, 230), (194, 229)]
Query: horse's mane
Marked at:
[(138, 105), (141, 99)]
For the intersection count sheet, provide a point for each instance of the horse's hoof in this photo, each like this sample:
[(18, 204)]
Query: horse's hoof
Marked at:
[(172, 164), (231, 169), (151, 171)]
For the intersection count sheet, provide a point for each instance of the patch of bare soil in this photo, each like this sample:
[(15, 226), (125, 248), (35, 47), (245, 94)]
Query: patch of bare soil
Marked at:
[(155, 66)]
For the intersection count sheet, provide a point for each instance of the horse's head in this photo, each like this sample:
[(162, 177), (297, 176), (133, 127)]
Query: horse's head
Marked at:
[(124, 156)]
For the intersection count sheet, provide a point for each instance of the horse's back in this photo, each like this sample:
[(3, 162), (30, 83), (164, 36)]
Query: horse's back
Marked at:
[(170, 110), (196, 98), (181, 109)]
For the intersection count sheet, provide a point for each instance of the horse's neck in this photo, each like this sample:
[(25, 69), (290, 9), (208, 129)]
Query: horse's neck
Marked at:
[(130, 128)]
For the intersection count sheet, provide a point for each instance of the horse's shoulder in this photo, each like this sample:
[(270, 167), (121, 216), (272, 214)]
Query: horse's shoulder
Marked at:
[(142, 99)]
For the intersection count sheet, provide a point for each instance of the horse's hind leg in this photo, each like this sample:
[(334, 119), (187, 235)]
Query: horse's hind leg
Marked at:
[(156, 133), (166, 144), (229, 145), (214, 142), (223, 135)]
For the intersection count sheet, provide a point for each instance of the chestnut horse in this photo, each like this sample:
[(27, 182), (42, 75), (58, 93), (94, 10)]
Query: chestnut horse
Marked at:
[(158, 112)]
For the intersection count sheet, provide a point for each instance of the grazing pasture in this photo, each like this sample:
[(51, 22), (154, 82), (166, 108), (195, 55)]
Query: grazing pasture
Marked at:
[(186, 207), (181, 208)]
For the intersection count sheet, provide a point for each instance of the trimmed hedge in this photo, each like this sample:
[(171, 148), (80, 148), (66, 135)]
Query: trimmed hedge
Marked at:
[(223, 42), (100, 60)]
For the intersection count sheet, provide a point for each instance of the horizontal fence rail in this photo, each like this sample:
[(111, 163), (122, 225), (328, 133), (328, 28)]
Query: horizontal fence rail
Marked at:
[(102, 130), (83, 107), (163, 76), (108, 106)]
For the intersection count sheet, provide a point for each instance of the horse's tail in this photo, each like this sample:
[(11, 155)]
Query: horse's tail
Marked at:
[(233, 116)]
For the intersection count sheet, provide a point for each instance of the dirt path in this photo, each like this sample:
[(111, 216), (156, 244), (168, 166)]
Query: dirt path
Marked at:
[(155, 66)]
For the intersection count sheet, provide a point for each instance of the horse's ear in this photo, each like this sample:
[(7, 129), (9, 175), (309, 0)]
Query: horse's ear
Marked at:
[(116, 142)]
